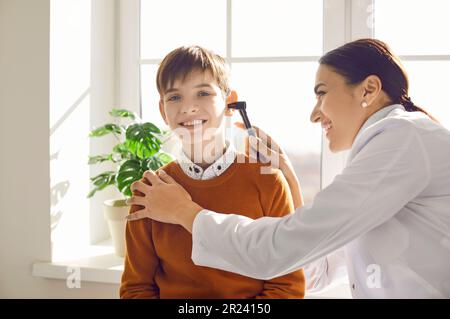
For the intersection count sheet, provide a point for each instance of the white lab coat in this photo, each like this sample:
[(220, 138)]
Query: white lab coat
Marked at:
[(389, 209)]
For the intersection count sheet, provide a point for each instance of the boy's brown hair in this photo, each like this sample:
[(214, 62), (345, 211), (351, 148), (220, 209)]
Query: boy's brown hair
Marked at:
[(182, 61)]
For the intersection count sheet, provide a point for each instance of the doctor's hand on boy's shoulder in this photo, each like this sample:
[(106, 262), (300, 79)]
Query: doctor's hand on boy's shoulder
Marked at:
[(164, 200), (270, 149)]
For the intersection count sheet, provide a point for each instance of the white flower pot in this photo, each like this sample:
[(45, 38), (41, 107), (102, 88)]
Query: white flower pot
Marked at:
[(115, 211)]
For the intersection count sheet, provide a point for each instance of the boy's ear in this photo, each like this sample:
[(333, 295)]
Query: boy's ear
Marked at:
[(163, 113), (232, 97)]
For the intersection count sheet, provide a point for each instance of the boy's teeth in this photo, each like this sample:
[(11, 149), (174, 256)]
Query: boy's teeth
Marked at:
[(195, 122)]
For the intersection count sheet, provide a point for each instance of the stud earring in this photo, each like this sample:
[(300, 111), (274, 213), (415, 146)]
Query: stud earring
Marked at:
[(364, 104)]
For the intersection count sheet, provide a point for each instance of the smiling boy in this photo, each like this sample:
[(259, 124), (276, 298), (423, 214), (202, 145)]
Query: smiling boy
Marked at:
[(194, 92)]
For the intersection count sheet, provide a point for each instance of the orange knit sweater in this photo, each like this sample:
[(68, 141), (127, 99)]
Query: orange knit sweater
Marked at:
[(158, 262)]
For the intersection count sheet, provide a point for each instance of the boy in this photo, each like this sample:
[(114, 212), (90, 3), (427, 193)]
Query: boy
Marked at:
[(194, 92)]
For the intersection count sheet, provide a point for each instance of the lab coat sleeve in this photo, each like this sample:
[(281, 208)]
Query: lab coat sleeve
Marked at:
[(326, 272), (390, 170)]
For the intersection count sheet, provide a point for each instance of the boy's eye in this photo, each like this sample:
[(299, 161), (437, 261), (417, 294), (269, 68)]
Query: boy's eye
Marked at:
[(204, 93), (173, 98)]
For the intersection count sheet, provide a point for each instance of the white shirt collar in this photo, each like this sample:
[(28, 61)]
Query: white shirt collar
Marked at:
[(215, 169)]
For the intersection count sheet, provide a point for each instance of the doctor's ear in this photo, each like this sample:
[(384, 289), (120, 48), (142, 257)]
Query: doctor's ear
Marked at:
[(372, 87), (231, 98)]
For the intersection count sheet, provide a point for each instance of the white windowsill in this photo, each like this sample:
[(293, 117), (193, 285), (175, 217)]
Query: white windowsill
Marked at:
[(97, 264)]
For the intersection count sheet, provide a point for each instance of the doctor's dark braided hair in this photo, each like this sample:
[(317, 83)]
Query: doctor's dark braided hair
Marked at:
[(357, 60)]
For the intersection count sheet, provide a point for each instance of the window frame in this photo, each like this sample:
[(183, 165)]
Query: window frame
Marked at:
[(343, 21)]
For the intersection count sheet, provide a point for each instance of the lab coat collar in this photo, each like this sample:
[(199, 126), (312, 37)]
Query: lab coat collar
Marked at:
[(378, 116)]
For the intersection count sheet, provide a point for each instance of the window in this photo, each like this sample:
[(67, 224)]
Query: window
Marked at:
[(419, 36), (273, 72)]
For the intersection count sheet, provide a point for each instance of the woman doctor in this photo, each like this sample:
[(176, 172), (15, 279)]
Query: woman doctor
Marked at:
[(389, 209)]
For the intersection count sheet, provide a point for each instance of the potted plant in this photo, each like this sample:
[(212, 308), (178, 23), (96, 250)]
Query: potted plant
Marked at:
[(138, 149)]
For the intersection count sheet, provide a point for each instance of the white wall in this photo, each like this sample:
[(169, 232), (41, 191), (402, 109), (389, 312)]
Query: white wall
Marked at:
[(25, 153)]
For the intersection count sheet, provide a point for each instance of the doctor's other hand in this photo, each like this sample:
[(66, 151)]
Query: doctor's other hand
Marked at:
[(266, 146), (163, 200)]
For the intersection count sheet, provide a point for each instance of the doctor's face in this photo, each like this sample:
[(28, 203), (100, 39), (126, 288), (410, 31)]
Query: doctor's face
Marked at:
[(337, 109)]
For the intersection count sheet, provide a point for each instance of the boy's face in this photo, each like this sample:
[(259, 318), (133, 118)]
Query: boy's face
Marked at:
[(195, 108)]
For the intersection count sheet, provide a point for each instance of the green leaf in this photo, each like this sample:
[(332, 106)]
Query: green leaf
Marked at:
[(96, 189), (129, 172), (92, 192), (122, 150), (100, 158), (123, 113), (144, 163), (106, 129), (103, 178), (152, 128), (141, 141), (101, 181), (156, 161)]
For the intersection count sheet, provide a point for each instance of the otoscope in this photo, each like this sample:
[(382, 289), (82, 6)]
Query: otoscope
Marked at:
[(241, 107)]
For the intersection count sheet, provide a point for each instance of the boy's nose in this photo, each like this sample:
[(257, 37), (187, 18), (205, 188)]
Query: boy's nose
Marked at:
[(189, 108)]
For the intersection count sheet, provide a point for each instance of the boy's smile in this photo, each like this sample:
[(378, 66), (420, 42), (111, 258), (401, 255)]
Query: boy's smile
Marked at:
[(193, 123)]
